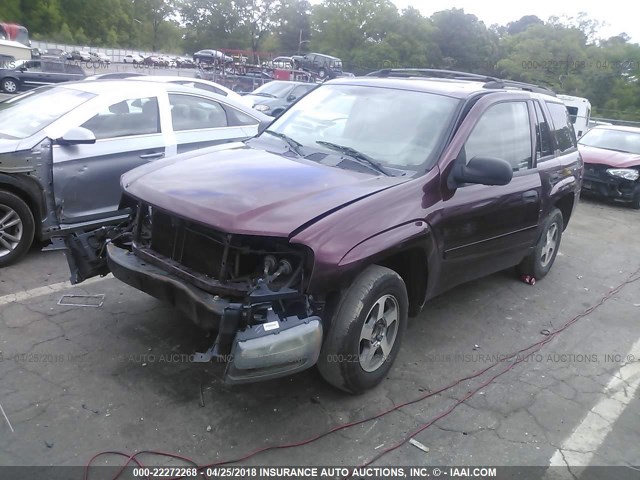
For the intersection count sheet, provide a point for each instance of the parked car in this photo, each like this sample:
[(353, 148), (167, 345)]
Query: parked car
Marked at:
[(280, 62), (80, 56), (56, 54), (167, 61), (99, 57), (87, 135), (28, 74), (325, 66), (612, 163), (182, 62), (200, 85), (152, 60), (132, 58), (211, 56), (314, 241), (274, 97)]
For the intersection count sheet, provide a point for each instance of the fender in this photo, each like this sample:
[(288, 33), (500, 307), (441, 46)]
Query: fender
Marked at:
[(410, 250), (28, 187), (386, 242)]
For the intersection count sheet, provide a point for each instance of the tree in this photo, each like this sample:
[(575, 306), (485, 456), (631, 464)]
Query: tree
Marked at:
[(519, 26), (465, 41), (10, 11), (355, 31), (293, 25), (155, 12), (256, 17)]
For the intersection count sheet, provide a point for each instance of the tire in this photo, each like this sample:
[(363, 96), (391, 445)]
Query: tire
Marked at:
[(17, 228), (322, 73), (9, 85), (538, 263), (635, 203), (350, 359)]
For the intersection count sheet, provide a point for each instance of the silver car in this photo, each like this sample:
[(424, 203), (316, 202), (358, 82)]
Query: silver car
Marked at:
[(63, 149)]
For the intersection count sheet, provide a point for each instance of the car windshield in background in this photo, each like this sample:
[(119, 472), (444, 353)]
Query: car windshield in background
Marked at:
[(609, 139), (275, 89), (398, 128), (22, 116)]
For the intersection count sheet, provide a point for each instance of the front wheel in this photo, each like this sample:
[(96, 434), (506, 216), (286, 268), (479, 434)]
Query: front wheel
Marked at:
[(366, 330), (538, 263), (17, 228), (9, 85)]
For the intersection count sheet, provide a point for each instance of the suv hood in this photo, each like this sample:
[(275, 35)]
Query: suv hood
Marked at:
[(238, 189), (611, 158)]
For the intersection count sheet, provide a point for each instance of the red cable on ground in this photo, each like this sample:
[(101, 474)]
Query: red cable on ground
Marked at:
[(517, 355)]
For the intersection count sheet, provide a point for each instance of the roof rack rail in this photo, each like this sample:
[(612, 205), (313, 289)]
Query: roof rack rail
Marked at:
[(489, 81)]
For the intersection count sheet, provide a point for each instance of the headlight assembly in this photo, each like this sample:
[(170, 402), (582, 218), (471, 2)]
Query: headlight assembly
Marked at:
[(626, 173)]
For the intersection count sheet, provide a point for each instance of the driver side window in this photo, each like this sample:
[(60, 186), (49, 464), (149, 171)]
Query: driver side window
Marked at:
[(502, 132)]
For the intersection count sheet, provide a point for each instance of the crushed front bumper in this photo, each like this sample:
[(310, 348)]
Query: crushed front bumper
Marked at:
[(279, 346), (597, 182)]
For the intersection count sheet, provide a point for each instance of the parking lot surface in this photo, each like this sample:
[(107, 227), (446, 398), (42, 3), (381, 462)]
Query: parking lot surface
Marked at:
[(75, 381)]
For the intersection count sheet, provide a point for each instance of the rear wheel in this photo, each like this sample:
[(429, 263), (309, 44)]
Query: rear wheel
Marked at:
[(541, 259), (366, 331), (322, 73), (9, 85), (17, 228)]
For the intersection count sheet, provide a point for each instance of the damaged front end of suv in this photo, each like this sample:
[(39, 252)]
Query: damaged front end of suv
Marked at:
[(248, 289)]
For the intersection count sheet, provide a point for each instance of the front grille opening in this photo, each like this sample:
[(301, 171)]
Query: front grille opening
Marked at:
[(216, 254)]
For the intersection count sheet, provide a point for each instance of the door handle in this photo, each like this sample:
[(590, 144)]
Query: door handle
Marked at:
[(530, 196), (152, 155)]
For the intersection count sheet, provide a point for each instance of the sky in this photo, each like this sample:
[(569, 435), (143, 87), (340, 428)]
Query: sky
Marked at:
[(619, 16)]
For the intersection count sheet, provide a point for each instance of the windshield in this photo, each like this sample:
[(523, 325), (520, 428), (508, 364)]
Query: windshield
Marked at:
[(276, 89), (26, 114), (396, 128), (619, 140)]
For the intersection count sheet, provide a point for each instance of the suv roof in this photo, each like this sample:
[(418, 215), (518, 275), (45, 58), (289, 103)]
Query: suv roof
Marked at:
[(450, 82)]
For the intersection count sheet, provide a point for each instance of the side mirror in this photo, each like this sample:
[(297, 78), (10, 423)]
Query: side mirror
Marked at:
[(483, 171), (77, 136)]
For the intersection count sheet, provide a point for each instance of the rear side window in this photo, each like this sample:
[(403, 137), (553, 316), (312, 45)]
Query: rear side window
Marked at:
[(193, 113), (544, 147), (503, 132), (53, 67), (562, 127)]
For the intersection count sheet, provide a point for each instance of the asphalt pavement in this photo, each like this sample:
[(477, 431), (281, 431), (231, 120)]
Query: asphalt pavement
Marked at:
[(78, 380)]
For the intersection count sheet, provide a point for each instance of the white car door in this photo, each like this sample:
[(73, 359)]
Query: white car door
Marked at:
[(86, 178)]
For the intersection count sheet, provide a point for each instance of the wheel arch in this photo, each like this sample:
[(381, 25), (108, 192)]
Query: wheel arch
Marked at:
[(28, 193), (407, 249), (566, 205)]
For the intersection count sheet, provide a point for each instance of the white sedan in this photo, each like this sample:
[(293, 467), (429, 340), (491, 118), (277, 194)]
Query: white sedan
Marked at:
[(132, 58), (200, 84), (76, 139)]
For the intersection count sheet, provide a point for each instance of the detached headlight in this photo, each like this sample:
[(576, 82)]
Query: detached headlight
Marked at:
[(626, 173), (262, 108)]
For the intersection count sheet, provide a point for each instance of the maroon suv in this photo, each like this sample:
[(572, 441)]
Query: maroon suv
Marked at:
[(313, 242)]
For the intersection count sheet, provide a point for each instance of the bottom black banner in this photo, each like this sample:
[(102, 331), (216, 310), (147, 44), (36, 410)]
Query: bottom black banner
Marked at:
[(327, 473)]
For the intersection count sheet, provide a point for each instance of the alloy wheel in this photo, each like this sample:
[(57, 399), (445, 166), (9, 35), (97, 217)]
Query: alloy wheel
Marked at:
[(550, 244), (10, 230), (379, 333)]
